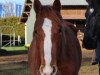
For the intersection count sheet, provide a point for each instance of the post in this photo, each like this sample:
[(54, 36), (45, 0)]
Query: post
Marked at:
[(25, 34), (99, 67), (10, 40), (19, 40), (1, 39), (14, 39)]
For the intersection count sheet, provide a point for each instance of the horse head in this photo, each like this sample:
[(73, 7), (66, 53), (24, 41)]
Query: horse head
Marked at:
[(47, 32), (55, 49)]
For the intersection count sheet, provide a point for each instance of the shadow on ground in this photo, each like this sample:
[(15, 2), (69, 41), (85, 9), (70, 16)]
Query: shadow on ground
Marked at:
[(10, 53), (14, 69)]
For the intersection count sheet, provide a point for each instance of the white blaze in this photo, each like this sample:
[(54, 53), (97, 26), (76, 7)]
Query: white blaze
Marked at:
[(47, 25)]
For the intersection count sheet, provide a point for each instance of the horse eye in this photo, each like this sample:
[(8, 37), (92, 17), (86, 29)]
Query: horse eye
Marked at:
[(35, 32)]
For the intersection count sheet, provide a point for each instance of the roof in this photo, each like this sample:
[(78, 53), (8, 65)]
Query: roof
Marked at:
[(73, 2), (28, 6), (65, 2)]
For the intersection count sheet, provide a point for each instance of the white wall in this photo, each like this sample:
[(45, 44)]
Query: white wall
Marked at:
[(29, 28), (64, 2)]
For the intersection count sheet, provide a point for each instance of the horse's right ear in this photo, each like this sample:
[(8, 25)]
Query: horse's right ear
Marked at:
[(57, 5), (37, 6)]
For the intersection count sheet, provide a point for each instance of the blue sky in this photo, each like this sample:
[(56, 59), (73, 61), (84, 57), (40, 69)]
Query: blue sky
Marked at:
[(14, 1)]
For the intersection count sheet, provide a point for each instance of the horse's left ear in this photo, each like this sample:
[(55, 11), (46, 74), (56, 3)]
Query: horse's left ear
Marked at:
[(57, 5), (37, 6)]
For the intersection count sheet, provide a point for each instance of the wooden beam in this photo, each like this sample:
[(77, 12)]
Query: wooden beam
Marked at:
[(27, 13), (29, 5), (24, 17)]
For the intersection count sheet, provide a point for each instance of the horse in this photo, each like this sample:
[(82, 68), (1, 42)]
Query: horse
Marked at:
[(55, 49)]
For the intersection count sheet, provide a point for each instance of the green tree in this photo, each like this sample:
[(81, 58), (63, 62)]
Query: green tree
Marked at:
[(13, 21)]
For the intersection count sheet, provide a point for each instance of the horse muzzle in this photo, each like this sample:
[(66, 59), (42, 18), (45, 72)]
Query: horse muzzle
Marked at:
[(48, 70)]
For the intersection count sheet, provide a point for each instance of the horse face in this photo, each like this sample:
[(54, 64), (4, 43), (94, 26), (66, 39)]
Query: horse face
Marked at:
[(48, 61), (47, 41), (47, 31)]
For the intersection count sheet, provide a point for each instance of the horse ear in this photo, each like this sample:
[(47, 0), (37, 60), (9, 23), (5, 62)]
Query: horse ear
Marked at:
[(57, 5), (37, 6)]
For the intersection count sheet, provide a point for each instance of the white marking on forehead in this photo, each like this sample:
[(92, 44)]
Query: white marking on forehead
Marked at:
[(47, 25)]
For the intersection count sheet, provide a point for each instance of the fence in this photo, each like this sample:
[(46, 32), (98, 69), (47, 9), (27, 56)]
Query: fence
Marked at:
[(7, 31)]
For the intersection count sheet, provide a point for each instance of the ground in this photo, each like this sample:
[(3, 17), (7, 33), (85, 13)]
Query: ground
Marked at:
[(17, 64), (87, 68), (13, 59)]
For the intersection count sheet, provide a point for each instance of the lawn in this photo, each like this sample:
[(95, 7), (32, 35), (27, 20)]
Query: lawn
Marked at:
[(17, 48), (13, 50)]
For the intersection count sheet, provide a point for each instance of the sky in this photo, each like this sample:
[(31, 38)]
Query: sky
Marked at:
[(14, 1)]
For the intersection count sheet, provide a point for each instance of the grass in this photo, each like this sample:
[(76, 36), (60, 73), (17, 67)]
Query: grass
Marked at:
[(18, 48), (13, 50)]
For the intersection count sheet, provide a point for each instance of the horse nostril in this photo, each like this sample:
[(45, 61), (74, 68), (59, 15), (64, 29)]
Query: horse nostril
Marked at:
[(47, 74), (41, 69), (54, 70), (47, 70)]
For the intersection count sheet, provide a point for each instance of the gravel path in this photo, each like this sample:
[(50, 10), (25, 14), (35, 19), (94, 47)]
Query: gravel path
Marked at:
[(13, 59)]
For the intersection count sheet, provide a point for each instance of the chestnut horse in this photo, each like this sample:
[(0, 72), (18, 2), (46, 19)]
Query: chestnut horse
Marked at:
[(55, 49)]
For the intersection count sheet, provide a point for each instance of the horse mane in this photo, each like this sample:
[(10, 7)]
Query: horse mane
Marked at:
[(57, 17), (72, 27), (69, 45)]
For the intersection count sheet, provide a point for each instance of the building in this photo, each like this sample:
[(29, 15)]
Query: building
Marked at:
[(1, 10), (72, 10), (10, 9), (18, 9)]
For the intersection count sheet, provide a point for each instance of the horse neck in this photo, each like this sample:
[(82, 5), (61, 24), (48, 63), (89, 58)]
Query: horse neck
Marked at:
[(66, 43)]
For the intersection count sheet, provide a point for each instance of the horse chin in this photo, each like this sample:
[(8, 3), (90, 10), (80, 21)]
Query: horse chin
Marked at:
[(47, 70)]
